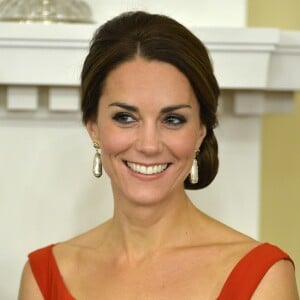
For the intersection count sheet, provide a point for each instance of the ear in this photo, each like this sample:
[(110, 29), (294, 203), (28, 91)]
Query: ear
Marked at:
[(202, 134), (93, 130)]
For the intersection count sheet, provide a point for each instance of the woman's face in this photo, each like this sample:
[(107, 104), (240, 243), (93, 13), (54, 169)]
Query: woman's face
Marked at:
[(148, 129)]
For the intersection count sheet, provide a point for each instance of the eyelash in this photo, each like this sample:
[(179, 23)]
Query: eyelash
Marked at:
[(171, 120), (174, 120), (123, 118)]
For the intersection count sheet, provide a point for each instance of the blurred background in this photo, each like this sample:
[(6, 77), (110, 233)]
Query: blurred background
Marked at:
[(47, 190)]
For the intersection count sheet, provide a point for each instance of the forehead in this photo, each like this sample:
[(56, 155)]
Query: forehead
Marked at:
[(144, 80)]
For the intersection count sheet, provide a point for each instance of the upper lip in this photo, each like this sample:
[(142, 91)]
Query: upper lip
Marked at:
[(147, 164)]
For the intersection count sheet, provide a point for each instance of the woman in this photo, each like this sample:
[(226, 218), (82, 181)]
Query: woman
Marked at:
[(149, 101)]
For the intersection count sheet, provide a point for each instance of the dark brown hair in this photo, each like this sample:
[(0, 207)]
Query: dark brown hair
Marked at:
[(155, 37)]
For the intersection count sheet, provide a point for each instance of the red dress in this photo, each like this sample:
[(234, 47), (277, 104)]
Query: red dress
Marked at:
[(240, 284)]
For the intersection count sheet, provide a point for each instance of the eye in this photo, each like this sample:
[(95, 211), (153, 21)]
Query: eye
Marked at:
[(124, 118), (174, 120)]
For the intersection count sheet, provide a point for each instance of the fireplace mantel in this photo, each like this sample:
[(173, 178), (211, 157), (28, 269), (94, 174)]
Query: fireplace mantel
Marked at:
[(252, 63)]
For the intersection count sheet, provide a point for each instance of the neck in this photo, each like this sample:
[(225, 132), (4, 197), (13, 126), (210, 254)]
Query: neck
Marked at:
[(143, 230)]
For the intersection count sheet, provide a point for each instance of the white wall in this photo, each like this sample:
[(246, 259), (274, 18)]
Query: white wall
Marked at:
[(47, 191)]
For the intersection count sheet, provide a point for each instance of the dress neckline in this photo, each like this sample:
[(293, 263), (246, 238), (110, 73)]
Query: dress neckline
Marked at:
[(58, 273), (224, 287)]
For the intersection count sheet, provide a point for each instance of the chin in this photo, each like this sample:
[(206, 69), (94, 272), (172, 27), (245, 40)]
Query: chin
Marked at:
[(151, 196)]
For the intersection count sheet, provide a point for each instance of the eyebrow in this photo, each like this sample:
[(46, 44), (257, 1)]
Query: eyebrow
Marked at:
[(163, 110)]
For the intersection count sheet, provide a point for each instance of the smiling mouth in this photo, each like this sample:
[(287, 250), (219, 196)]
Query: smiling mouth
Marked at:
[(146, 170)]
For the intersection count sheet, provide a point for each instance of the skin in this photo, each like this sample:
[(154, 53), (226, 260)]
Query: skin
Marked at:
[(157, 245)]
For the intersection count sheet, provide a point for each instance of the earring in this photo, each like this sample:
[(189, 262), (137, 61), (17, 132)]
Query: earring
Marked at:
[(97, 163), (194, 171)]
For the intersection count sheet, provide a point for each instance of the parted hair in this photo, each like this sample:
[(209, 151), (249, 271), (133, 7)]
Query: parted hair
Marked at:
[(160, 38)]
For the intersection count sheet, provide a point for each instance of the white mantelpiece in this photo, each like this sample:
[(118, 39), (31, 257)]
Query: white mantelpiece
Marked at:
[(253, 62)]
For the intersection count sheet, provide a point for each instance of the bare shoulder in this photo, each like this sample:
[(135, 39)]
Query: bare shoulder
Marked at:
[(278, 283), (222, 234), (67, 252), (90, 238), (29, 289)]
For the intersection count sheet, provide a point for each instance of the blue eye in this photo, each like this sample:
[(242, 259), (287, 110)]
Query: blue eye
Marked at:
[(174, 120), (123, 118)]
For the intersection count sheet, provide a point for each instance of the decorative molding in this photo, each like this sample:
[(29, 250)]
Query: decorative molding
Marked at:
[(259, 102), (22, 98), (64, 99), (252, 62)]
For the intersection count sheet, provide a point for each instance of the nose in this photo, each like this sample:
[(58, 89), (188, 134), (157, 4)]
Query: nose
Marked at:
[(148, 140)]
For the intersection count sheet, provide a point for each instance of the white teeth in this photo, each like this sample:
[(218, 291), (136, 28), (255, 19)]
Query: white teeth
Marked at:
[(147, 170)]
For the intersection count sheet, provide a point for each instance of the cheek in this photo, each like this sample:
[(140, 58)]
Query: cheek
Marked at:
[(113, 141), (184, 145), (112, 144)]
